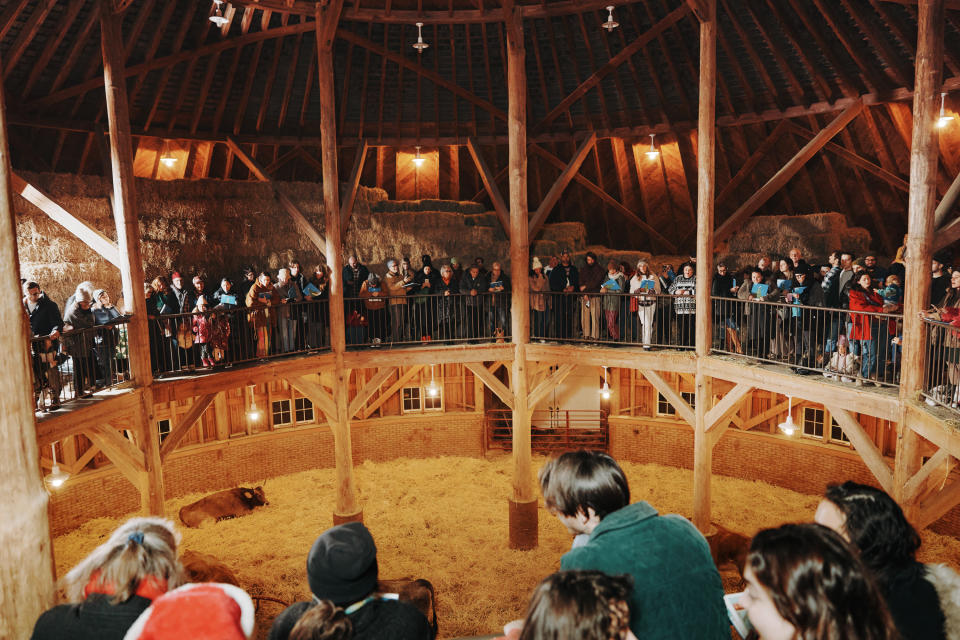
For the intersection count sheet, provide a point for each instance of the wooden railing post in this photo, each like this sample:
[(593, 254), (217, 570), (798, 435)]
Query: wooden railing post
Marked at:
[(347, 508), (706, 188), (26, 555), (523, 503), (131, 264), (920, 219)]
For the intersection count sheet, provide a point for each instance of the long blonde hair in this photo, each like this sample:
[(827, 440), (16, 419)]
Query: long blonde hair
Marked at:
[(139, 548)]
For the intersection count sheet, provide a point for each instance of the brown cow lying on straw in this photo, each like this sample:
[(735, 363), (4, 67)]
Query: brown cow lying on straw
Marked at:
[(417, 592), (222, 505)]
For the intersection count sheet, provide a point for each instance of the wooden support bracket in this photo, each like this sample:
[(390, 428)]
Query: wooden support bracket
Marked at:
[(490, 184), (937, 505), (308, 229), (914, 486), (101, 244), (372, 386), (539, 392), (392, 389), (683, 409), (864, 445), (346, 207), (186, 423), (127, 458), (729, 405), (553, 195), (491, 381), (317, 394)]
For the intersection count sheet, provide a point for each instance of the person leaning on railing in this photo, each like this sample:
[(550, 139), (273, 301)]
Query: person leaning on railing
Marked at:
[(45, 326), (865, 329), (447, 290), (538, 301), (949, 311), (685, 303), (78, 320), (757, 315), (375, 308)]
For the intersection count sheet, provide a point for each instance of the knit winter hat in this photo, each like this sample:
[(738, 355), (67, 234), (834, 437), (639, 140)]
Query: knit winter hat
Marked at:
[(342, 564), (201, 611), (98, 293), (426, 261), (536, 263)]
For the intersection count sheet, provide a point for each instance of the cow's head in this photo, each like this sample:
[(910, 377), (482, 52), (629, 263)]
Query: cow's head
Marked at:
[(255, 497)]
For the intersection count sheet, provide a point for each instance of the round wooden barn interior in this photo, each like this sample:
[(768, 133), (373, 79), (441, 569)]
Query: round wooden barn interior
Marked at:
[(465, 153)]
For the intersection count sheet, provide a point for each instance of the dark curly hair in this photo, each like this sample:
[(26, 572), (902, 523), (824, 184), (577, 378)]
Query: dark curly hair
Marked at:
[(818, 584), (876, 526), (587, 605)]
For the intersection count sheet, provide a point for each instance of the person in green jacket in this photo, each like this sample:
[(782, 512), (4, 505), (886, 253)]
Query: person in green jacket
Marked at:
[(677, 592)]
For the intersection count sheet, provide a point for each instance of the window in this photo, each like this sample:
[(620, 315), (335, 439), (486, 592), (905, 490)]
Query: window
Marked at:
[(163, 426), (411, 399), (281, 412), (304, 407), (836, 433), (433, 404), (813, 422), (664, 408)]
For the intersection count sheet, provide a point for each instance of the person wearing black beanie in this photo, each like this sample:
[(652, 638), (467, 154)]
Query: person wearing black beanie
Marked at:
[(342, 568)]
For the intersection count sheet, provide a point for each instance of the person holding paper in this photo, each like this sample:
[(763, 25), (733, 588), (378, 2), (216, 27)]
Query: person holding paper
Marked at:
[(645, 286), (591, 277), (677, 592), (685, 304), (755, 290), (316, 291), (259, 300), (612, 288), (564, 280), (288, 294)]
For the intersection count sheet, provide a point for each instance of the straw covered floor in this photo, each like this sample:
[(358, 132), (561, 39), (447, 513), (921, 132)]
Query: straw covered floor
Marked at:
[(445, 520)]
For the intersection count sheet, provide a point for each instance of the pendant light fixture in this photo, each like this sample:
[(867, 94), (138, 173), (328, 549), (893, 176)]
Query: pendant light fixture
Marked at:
[(418, 159), (610, 24), (605, 389), (788, 426), (217, 17), (167, 159), (420, 45), (56, 477), (652, 153), (253, 413), (944, 119), (433, 389)]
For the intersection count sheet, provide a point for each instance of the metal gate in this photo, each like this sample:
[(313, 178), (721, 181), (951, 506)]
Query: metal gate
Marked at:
[(550, 431)]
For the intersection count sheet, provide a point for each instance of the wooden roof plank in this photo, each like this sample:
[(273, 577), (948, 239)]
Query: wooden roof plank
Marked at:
[(27, 33), (556, 190), (867, 67), (614, 62), (848, 84), (753, 55), (204, 92), (786, 172), (247, 87), (288, 87), (820, 85), (225, 91), (680, 86), (69, 17), (271, 78), (880, 42)]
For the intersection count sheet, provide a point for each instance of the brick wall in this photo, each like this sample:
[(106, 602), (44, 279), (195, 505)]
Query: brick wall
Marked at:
[(221, 465)]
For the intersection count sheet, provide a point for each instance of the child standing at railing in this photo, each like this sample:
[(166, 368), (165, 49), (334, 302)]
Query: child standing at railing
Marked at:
[(203, 330)]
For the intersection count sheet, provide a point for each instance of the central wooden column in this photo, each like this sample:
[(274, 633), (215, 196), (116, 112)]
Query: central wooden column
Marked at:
[(922, 204), (706, 187), (26, 556), (347, 507), (523, 503), (131, 264)]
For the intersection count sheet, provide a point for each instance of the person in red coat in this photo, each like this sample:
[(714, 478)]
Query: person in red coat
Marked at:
[(865, 328)]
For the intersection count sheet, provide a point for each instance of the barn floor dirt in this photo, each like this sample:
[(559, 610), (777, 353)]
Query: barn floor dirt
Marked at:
[(445, 519)]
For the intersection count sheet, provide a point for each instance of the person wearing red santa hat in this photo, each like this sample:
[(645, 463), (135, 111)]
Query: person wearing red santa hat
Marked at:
[(202, 611)]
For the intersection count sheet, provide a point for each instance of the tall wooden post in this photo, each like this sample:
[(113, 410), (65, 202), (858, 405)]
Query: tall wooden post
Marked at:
[(347, 508), (706, 187), (523, 503), (26, 556), (922, 203), (131, 264)]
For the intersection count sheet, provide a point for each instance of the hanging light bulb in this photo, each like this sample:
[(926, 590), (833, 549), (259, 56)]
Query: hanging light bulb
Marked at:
[(167, 159), (253, 413), (944, 119), (788, 426), (433, 389), (420, 45), (605, 389), (652, 153), (56, 477), (610, 24), (217, 17), (418, 159)]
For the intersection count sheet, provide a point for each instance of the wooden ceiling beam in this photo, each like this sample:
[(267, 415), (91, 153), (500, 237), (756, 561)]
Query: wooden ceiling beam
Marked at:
[(947, 204), (247, 87), (789, 170), (159, 32), (204, 92), (168, 71), (848, 84), (73, 56), (270, 80), (10, 15), (404, 62), (880, 41), (346, 207), (614, 62), (225, 93), (604, 108), (604, 196), (854, 158), (867, 67), (820, 85), (27, 33), (949, 4), (490, 184), (681, 87), (794, 85), (553, 195), (288, 87), (69, 17), (747, 170), (752, 54)]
